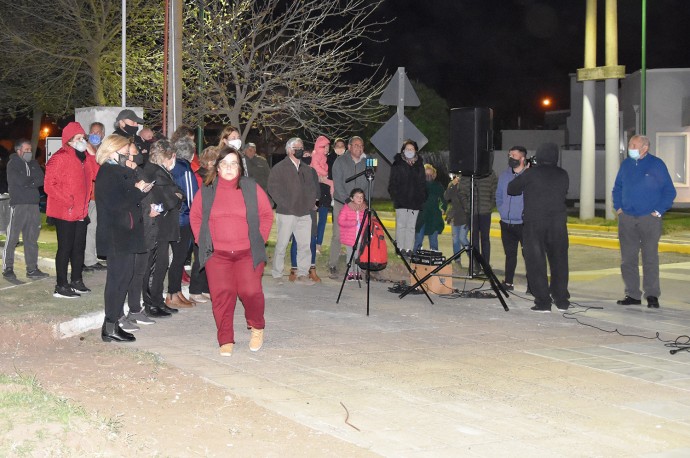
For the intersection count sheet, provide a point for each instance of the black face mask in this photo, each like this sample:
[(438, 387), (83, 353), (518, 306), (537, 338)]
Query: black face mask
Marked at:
[(138, 159), (513, 163), (122, 159), (130, 130), (299, 153)]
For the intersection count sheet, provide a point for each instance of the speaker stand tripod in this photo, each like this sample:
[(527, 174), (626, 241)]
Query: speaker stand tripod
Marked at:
[(368, 221), (475, 257)]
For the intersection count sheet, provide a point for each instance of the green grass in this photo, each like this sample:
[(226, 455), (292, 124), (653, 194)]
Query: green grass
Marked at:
[(25, 393), (44, 225), (28, 407), (674, 222)]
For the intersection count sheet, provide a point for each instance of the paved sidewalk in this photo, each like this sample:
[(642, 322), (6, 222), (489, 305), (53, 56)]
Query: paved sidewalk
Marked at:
[(461, 377)]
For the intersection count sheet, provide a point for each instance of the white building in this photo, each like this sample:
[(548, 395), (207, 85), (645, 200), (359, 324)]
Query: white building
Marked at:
[(668, 128)]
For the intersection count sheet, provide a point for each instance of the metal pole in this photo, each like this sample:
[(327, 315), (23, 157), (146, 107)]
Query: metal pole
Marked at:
[(124, 53), (175, 67), (401, 105), (587, 164), (166, 42), (643, 72)]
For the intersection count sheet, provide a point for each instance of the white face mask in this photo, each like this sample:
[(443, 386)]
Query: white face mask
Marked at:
[(80, 146), (410, 154), (237, 143)]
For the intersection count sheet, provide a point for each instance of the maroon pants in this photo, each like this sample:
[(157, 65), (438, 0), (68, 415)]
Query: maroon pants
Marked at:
[(232, 274)]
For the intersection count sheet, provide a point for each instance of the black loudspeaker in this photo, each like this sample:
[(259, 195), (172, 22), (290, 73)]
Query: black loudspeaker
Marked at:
[(471, 141)]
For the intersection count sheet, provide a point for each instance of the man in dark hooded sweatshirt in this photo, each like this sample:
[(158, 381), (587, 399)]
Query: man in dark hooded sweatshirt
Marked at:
[(544, 188)]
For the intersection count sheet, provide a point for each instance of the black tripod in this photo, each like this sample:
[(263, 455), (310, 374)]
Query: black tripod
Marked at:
[(368, 222), (474, 257)]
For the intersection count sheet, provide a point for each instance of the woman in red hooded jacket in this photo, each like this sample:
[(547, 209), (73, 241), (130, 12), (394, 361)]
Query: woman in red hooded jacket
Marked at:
[(70, 173)]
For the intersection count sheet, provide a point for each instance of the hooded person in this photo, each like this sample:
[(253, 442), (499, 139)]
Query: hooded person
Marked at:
[(319, 162), (70, 172), (545, 235)]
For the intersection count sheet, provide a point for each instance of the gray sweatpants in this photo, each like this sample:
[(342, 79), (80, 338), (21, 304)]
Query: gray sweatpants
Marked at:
[(24, 219), (405, 221), (90, 252), (640, 233)]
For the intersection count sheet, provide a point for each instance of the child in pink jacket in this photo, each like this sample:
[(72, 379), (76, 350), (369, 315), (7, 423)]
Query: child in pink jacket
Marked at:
[(350, 220)]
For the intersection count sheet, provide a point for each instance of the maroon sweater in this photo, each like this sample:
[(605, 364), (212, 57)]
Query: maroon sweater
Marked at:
[(228, 220)]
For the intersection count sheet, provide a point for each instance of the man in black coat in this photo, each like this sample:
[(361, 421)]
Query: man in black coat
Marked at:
[(544, 188)]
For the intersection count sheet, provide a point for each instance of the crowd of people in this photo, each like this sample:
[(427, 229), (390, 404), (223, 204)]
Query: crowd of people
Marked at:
[(142, 206)]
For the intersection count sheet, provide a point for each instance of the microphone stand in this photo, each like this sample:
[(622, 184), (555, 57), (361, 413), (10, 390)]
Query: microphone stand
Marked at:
[(368, 221)]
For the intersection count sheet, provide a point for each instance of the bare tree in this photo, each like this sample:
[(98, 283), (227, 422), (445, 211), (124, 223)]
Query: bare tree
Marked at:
[(281, 66), (61, 54)]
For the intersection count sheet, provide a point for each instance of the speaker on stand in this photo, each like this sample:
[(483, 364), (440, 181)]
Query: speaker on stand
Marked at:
[(471, 148), (471, 141)]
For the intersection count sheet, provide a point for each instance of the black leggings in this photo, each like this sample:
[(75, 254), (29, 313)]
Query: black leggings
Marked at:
[(179, 256), (71, 240), (154, 276)]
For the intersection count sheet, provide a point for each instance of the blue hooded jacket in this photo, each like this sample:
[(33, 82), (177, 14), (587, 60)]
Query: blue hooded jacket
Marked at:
[(184, 178), (509, 207)]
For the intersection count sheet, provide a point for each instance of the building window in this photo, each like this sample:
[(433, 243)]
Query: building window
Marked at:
[(672, 147)]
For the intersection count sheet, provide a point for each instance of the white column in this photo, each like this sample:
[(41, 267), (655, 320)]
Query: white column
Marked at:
[(612, 142), (587, 171)]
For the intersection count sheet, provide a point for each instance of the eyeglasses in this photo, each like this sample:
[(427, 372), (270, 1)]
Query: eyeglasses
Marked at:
[(228, 165)]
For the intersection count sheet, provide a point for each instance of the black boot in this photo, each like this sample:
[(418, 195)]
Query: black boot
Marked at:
[(164, 307), (112, 332), (155, 312)]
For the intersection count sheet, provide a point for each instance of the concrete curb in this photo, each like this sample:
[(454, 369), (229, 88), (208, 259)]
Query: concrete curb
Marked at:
[(79, 325)]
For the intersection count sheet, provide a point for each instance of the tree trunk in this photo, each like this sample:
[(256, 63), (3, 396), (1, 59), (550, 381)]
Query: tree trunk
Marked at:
[(36, 130), (97, 82)]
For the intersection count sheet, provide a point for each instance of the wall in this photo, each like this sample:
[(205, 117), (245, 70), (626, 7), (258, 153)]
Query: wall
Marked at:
[(531, 139), (106, 115)]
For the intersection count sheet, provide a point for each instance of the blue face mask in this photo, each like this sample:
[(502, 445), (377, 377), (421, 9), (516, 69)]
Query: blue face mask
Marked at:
[(95, 139), (634, 153)]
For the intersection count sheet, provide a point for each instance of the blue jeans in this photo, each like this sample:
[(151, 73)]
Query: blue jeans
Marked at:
[(293, 251), (322, 218), (459, 235), (419, 240)]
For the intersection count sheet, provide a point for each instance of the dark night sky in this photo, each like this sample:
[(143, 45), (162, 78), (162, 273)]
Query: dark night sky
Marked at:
[(508, 54)]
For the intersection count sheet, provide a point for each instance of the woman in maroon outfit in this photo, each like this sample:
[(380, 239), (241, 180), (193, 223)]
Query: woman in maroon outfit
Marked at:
[(231, 218)]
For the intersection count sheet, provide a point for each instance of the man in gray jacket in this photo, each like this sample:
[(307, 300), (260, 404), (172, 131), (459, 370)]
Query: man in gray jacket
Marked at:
[(24, 177), (350, 163), (294, 187)]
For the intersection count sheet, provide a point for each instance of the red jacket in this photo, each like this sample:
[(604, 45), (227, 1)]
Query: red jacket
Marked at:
[(68, 184)]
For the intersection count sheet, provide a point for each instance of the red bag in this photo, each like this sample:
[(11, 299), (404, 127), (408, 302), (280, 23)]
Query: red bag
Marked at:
[(374, 243)]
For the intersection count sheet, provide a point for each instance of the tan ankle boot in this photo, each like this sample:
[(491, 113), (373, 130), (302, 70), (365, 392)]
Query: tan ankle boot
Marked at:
[(293, 274), (312, 275)]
